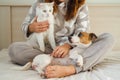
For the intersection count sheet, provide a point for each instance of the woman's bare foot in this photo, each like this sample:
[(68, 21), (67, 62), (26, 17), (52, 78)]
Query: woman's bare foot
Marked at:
[(57, 71)]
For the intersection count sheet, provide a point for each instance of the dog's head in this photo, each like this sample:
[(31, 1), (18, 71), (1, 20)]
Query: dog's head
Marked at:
[(82, 39)]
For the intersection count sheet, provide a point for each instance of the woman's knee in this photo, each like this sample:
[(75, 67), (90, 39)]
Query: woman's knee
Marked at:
[(12, 48), (108, 38), (14, 52)]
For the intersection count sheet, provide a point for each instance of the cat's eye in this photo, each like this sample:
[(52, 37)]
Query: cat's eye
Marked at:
[(44, 10)]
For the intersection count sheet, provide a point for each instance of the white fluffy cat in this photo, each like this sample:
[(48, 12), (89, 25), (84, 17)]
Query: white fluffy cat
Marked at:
[(44, 11)]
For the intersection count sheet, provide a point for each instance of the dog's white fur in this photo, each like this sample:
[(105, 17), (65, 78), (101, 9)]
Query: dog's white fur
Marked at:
[(44, 11)]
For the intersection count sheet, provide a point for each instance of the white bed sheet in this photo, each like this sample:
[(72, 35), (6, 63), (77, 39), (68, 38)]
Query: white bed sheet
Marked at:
[(109, 69)]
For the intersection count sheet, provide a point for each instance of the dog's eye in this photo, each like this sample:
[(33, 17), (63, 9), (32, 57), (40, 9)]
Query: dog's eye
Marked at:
[(80, 34)]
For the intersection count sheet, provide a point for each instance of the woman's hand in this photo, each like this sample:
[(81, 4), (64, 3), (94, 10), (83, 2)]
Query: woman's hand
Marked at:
[(61, 51), (57, 71), (38, 26)]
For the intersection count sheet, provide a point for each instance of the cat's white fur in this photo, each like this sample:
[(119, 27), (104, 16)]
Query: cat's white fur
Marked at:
[(44, 11)]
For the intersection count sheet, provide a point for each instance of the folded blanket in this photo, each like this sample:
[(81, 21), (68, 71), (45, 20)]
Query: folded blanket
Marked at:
[(109, 69)]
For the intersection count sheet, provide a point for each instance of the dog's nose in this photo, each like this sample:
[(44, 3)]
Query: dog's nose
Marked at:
[(69, 38)]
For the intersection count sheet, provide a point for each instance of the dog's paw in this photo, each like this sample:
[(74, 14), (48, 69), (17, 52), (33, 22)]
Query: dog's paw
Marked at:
[(79, 64)]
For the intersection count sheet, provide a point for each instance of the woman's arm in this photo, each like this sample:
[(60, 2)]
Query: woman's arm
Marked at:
[(82, 20)]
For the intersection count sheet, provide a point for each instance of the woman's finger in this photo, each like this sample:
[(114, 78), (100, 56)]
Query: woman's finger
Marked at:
[(35, 19), (44, 29), (48, 68), (55, 50), (42, 26), (57, 53), (43, 23), (64, 54), (50, 75), (41, 30), (60, 54)]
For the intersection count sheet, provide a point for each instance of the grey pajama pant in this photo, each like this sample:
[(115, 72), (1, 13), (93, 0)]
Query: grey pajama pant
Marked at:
[(22, 52)]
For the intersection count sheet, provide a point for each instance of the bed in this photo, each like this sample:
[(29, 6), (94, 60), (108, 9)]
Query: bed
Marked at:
[(108, 69)]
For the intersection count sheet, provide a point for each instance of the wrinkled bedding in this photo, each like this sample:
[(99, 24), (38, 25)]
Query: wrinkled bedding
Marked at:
[(109, 69)]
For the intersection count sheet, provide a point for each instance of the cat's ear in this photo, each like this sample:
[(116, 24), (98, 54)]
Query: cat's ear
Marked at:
[(39, 4), (52, 3)]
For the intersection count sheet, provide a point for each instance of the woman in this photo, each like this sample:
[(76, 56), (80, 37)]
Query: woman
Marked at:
[(75, 12)]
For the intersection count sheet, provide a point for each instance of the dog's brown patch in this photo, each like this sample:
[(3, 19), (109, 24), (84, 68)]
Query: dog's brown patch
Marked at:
[(85, 38)]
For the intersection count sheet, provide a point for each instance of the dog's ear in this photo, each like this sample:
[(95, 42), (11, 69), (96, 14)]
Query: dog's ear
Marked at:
[(92, 37)]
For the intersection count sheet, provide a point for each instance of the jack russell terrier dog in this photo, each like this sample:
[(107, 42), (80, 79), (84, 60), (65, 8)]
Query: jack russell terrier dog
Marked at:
[(82, 41)]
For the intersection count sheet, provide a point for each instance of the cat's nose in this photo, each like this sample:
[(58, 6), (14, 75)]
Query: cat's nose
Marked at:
[(47, 15)]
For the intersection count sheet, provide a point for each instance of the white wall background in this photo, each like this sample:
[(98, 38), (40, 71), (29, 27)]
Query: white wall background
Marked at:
[(103, 1), (27, 2)]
